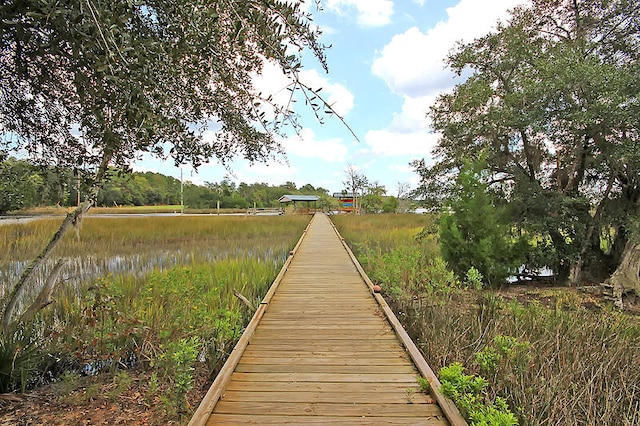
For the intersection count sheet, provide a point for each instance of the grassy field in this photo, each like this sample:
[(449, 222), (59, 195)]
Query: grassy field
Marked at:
[(557, 356), (146, 301)]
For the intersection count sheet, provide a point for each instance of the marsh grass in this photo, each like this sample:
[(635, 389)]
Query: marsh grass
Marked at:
[(397, 254), (152, 293), (383, 231), (136, 245), (554, 364), (108, 236), (581, 367)]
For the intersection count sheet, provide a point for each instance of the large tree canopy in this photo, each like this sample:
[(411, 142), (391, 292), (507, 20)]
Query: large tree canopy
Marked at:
[(552, 105), (133, 76)]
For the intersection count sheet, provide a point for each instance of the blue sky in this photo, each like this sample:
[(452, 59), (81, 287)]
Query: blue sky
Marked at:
[(385, 70)]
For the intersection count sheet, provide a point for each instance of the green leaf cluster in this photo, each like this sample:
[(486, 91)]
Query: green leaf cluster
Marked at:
[(503, 349), (85, 84), (176, 364), (467, 392)]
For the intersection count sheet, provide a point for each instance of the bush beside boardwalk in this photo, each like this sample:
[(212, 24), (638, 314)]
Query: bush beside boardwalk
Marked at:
[(557, 355)]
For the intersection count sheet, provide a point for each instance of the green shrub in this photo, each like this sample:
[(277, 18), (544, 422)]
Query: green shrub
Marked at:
[(488, 359), (455, 383), (176, 363), (473, 279), (476, 232), (467, 391), (497, 414), (503, 349)]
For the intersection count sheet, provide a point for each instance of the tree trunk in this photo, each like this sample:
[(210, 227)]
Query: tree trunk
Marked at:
[(72, 219), (577, 269), (618, 248), (562, 267), (627, 277)]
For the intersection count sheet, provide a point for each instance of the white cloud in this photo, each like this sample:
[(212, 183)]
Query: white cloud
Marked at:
[(371, 13), (412, 65), (336, 95), (412, 62), (388, 143), (407, 134), (307, 145), (273, 82), (413, 115)]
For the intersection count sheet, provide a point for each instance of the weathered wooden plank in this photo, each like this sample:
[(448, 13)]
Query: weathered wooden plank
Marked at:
[(322, 360), (323, 334), (338, 341), (405, 368), (235, 419), (325, 377), (298, 305), (328, 325), (327, 346), (350, 354), (361, 395), (325, 295), (285, 316), (371, 409), (382, 391)]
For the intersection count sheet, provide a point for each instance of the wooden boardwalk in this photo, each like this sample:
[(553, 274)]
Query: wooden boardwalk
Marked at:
[(322, 349)]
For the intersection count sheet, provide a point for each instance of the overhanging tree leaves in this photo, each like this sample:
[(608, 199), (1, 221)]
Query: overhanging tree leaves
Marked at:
[(89, 84), (552, 103)]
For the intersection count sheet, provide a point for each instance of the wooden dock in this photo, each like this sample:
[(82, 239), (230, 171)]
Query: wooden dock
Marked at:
[(323, 349)]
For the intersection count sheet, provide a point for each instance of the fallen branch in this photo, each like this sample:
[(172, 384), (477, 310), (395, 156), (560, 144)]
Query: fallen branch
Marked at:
[(244, 300)]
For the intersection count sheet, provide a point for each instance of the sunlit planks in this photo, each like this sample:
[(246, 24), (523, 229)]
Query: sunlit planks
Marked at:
[(323, 352)]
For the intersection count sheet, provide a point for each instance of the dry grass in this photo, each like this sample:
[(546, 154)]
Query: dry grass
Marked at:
[(574, 365), (580, 367)]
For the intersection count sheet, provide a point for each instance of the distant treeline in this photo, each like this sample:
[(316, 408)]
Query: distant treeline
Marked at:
[(25, 185)]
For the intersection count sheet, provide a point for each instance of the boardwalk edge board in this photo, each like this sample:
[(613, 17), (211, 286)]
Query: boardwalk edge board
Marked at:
[(448, 407), (201, 415)]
